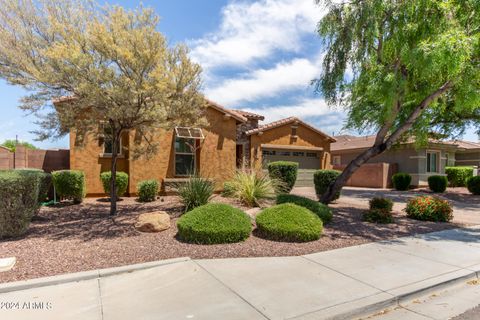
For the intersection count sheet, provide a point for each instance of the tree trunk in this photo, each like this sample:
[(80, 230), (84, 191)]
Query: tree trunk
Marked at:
[(381, 144), (113, 185)]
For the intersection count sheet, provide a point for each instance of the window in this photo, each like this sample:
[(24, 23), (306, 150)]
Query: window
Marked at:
[(432, 161), (193, 133), (108, 144), (294, 131), (184, 156), (337, 160), (311, 154), (284, 153), (298, 154), (268, 152)]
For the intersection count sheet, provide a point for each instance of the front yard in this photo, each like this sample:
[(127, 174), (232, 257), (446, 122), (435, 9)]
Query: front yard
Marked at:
[(71, 238)]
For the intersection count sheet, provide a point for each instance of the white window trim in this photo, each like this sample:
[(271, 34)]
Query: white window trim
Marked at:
[(190, 133), (439, 154)]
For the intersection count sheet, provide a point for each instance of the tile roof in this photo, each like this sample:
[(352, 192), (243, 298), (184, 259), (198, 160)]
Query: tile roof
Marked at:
[(284, 121), (220, 108), (348, 142), (249, 115), (467, 145)]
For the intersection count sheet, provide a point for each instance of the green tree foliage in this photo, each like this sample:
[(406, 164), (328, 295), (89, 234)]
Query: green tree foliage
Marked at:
[(12, 144), (100, 65), (404, 68)]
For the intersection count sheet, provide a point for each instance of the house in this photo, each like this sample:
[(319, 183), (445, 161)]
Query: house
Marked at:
[(420, 163), (233, 139), (467, 154)]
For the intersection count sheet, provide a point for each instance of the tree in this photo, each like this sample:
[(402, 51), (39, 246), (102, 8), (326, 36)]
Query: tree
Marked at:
[(110, 67), (12, 144), (401, 68)]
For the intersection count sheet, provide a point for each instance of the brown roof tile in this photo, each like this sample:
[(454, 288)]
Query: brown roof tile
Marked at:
[(249, 115)]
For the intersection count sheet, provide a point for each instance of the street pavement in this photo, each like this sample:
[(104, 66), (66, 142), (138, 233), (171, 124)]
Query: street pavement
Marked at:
[(339, 284)]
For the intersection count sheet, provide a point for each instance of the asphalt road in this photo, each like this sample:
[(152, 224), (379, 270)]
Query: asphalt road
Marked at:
[(472, 314)]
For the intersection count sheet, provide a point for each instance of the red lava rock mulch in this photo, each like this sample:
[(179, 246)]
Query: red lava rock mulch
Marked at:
[(73, 238)]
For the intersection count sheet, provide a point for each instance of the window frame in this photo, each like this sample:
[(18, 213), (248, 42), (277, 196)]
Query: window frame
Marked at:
[(120, 144), (428, 161), (335, 163), (193, 154)]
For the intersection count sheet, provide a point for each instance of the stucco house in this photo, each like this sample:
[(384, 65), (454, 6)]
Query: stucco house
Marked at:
[(467, 154), (232, 139), (420, 163)]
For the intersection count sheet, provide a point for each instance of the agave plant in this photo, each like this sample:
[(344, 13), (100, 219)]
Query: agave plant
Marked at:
[(195, 192), (251, 187)]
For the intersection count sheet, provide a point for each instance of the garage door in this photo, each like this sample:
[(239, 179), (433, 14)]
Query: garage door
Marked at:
[(306, 159)]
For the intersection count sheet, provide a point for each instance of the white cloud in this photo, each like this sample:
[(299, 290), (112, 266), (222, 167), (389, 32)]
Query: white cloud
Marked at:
[(285, 76), (256, 30)]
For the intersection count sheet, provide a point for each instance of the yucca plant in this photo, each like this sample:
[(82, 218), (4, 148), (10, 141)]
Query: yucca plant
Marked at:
[(195, 192), (251, 187)]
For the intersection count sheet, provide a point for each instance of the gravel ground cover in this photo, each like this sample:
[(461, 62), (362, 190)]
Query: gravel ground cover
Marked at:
[(71, 238)]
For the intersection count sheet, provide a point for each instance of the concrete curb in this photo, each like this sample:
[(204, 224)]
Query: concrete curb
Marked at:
[(85, 275), (396, 300)]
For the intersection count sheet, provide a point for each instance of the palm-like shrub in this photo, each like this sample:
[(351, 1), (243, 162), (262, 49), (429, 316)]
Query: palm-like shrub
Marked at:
[(121, 182), (214, 223), (147, 190), (437, 184), (285, 171), (195, 192), (251, 187), (321, 210), (69, 184), (322, 180)]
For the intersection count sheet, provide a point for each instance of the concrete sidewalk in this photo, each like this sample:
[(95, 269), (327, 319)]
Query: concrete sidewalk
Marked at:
[(337, 284)]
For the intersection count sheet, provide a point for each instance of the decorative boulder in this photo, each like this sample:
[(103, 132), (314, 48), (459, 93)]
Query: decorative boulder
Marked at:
[(153, 222)]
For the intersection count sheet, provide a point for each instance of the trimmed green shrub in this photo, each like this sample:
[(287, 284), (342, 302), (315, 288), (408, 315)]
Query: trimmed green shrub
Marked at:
[(195, 192), (378, 216), (19, 191), (322, 179), (147, 190), (458, 176), (429, 208), (214, 223), (321, 210), (121, 182), (251, 188), (45, 182), (228, 189), (473, 185), (69, 184), (437, 184), (289, 222), (401, 181), (381, 203), (285, 171), (380, 211)]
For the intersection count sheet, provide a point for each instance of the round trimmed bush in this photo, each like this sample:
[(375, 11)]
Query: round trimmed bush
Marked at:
[(458, 176), (321, 210), (428, 208), (381, 203), (378, 215), (214, 223), (473, 185), (437, 184), (284, 171), (121, 181), (69, 184), (289, 222), (322, 179), (147, 190), (401, 181), (19, 190), (45, 182)]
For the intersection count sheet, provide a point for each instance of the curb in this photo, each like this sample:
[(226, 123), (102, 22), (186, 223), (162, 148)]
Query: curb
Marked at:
[(85, 275)]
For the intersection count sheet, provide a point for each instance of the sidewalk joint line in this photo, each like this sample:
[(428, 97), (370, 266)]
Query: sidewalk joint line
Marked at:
[(230, 289), (100, 297)]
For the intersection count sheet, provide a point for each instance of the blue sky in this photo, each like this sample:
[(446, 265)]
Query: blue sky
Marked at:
[(257, 55)]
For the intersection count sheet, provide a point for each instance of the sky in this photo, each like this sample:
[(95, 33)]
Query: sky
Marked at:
[(259, 56)]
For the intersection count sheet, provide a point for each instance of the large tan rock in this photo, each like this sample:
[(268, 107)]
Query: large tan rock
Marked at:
[(153, 222)]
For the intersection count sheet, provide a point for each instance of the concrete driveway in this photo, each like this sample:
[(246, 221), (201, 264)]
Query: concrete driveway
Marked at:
[(467, 213)]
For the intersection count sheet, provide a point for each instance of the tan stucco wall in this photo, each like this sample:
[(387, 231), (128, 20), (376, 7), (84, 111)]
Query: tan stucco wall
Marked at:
[(282, 136), (215, 158)]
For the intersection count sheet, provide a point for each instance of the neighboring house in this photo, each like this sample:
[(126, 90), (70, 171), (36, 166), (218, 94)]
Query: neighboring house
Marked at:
[(233, 139), (468, 153), (419, 163)]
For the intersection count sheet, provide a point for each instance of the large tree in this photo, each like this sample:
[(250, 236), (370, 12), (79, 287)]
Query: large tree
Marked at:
[(113, 66), (401, 68)]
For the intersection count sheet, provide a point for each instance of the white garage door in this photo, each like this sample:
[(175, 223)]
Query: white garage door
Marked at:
[(306, 159)]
